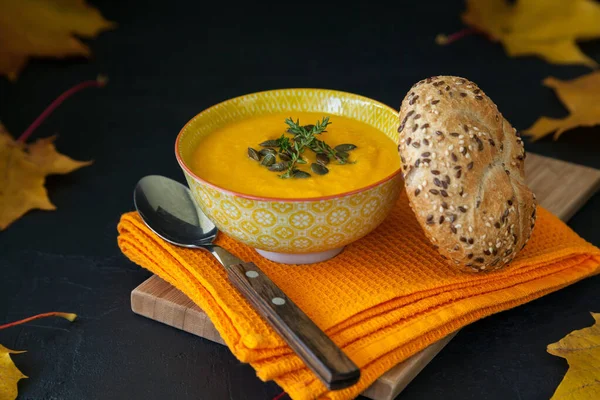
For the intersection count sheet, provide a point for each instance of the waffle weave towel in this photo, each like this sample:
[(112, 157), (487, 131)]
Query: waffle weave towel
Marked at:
[(383, 299)]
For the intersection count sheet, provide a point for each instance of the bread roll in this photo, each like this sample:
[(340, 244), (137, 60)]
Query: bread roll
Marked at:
[(463, 166)]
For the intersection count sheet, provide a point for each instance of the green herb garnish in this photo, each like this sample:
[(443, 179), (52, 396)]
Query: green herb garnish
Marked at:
[(290, 150)]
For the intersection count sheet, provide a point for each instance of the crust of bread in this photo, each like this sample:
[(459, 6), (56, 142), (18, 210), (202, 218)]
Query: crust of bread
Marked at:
[(463, 167)]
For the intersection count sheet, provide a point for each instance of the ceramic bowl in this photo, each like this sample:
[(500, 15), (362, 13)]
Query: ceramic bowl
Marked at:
[(292, 231)]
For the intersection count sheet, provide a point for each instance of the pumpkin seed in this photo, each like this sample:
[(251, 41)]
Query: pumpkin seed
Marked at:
[(280, 166), (268, 160), (301, 174), (285, 157), (344, 147), (264, 152), (319, 169), (253, 154), (270, 143), (322, 158), (342, 155)]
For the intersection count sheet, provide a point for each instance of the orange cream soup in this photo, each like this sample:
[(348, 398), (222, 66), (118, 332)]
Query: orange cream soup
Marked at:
[(222, 157)]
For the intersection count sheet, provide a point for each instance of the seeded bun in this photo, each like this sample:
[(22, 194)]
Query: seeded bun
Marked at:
[(463, 166)]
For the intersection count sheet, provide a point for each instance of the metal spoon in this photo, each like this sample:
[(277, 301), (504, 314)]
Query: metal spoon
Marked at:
[(168, 209)]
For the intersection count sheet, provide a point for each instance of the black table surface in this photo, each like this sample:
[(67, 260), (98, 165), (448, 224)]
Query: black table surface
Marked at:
[(166, 62)]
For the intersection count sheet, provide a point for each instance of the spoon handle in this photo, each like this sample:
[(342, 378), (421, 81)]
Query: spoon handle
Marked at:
[(309, 342)]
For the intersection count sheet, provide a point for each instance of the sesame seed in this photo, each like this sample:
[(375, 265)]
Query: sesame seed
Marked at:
[(441, 209), (408, 141), (426, 142), (416, 145), (461, 142), (417, 117), (470, 165), (458, 226), (439, 133), (420, 187), (424, 126), (436, 112), (444, 193), (459, 173), (417, 191), (454, 134), (441, 219), (497, 225), (412, 101), (435, 172), (479, 97), (479, 259), (426, 154), (437, 182), (462, 209), (461, 149), (471, 241), (415, 127), (417, 163), (463, 94), (453, 228), (444, 205), (454, 158), (488, 225), (434, 191)]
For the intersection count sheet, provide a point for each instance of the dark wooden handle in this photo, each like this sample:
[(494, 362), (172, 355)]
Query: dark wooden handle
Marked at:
[(311, 344)]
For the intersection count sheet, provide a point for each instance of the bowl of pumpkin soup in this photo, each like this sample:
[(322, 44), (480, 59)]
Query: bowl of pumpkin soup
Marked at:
[(297, 174)]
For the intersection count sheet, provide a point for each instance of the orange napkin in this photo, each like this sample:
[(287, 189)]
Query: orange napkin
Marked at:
[(383, 299)]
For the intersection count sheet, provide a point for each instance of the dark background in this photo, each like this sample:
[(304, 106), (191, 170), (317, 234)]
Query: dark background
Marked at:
[(167, 61)]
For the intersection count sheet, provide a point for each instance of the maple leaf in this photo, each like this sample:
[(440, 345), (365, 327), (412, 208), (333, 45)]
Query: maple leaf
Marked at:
[(582, 350), (581, 96), (23, 169), (10, 375), (45, 28), (545, 28)]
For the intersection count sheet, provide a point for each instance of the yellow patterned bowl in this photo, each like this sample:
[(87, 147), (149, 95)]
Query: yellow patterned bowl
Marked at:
[(292, 231)]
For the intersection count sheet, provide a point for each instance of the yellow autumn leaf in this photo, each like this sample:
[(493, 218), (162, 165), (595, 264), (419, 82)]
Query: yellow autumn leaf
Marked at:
[(9, 374), (23, 169), (45, 28), (581, 96), (582, 350), (545, 28)]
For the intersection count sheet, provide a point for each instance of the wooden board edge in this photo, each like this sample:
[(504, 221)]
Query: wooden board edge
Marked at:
[(390, 384)]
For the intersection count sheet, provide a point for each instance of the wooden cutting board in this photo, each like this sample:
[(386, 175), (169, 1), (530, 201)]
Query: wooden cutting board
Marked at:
[(561, 187)]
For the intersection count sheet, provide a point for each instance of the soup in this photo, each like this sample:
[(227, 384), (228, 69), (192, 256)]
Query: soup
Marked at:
[(222, 157)]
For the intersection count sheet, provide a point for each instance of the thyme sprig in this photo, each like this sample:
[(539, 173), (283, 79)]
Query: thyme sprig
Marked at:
[(291, 150)]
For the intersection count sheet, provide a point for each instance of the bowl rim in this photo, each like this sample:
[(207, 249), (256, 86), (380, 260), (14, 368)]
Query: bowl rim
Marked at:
[(188, 170)]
